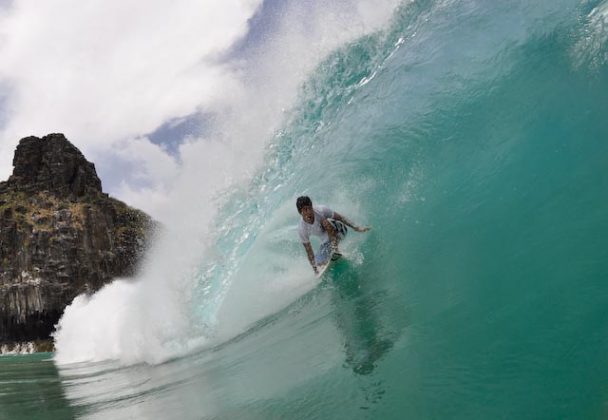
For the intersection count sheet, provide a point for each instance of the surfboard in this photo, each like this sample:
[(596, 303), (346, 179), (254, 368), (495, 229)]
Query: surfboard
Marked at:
[(322, 268)]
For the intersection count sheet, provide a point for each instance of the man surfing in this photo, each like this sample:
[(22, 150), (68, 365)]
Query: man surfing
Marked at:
[(325, 223)]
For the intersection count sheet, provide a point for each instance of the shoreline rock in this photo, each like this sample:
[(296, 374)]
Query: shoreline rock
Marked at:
[(60, 236), (28, 347)]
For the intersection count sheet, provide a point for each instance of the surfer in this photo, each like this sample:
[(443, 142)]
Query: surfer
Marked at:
[(325, 223)]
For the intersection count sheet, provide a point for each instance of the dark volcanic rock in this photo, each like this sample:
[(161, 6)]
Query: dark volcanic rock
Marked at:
[(60, 236), (52, 164)]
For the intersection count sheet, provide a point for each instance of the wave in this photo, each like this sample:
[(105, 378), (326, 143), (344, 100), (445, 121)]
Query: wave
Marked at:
[(186, 262), (423, 125), (471, 136)]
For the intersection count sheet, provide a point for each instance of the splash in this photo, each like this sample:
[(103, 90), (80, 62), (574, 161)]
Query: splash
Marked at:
[(154, 317)]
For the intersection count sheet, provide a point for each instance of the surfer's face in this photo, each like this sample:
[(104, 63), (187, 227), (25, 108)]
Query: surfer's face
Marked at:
[(307, 214)]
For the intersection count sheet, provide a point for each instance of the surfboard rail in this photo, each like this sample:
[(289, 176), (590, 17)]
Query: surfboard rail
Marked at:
[(322, 268)]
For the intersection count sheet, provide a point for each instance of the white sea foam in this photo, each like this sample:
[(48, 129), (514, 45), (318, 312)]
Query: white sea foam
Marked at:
[(592, 47), (27, 347)]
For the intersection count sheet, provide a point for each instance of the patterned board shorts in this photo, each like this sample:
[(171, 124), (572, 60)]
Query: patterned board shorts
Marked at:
[(324, 252)]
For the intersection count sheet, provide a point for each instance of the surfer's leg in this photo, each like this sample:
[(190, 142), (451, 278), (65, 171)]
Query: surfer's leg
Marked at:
[(324, 252)]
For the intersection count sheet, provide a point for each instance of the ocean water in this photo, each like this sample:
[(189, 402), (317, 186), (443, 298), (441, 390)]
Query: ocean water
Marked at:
[(473, 137)]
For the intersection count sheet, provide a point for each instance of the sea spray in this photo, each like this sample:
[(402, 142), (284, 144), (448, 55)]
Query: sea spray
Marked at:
[(154, 316)]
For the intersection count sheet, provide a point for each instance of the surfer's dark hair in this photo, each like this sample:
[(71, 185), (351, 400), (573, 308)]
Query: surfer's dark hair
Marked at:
[(302, 202)]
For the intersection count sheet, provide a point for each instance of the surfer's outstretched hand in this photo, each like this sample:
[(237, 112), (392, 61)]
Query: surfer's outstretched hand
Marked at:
[(362, 228)]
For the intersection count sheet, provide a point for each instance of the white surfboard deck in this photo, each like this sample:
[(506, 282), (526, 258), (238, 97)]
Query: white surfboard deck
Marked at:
[(323, 268)]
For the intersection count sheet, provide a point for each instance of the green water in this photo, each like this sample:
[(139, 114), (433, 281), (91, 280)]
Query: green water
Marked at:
[(473, 137), (30, 387)]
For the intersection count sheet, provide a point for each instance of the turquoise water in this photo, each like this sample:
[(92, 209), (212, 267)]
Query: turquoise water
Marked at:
[(472, 136)]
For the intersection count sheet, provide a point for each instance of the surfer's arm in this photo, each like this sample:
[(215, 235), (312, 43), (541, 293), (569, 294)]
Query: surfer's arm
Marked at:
[(339, 217), (311, 256)]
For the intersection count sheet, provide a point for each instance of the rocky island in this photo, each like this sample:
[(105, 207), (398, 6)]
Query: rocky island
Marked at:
[(60, 236)]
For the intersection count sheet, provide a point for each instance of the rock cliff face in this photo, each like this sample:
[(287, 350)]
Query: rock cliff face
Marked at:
[(60, 236)]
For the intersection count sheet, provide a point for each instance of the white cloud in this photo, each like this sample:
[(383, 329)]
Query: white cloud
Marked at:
[(153, 163), (107, 72)]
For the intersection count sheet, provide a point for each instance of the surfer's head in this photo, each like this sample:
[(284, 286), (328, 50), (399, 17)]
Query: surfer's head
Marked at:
[(304, 206), (302, 202)]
